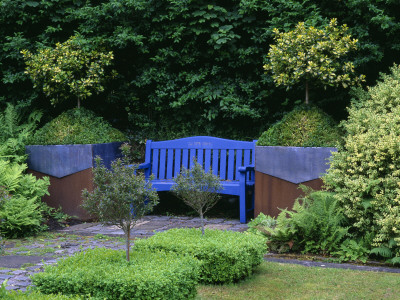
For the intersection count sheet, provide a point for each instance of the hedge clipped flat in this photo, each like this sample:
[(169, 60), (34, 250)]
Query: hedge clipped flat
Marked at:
[(105, 274), (225, 256)]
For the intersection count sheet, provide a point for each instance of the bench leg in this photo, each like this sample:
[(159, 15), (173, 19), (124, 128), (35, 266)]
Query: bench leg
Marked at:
[(242, 204)]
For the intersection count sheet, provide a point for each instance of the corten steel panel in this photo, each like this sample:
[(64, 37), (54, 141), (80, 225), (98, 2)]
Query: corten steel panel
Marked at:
[(272, 193), (67, 192)]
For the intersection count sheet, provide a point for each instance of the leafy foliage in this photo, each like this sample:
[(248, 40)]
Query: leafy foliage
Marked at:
[(14, 133), (104, 274), (308, 54), (366, 171), (197, 189), (120, 197), (314, 225), (225, 256), (77, 126), (21, 211), (68, 69), (174, 58), (304, 126)]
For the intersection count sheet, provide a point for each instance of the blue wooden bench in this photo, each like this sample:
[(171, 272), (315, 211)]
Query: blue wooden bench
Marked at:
[(232, 161)]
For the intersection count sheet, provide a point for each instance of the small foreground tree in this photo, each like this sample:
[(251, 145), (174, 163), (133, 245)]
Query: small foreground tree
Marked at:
[(308, 54), (198, 189), (121, 197)]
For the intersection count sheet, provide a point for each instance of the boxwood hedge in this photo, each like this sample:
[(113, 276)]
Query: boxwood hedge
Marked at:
[(77, 126), (225, 256), (105, 274)]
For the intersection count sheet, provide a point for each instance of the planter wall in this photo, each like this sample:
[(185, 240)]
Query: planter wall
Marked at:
[(69, 168), (280, 171)]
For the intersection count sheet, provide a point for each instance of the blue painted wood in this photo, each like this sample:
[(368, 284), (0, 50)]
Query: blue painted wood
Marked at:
[(163, 162), (154, 164), (170, 163), (215, 162), (178, 163), (207, 160), (222, 165), (232, 161), (231, 164)]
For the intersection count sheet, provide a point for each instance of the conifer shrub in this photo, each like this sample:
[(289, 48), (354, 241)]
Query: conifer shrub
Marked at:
[(304, 126), (105, 274), (77, 126), (225, 256), (365, 172)]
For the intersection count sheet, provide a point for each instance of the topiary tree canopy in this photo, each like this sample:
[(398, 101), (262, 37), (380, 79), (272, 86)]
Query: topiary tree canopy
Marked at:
[(304, 126), (307, 54), (77, 126), (68, 70), (365, 173)]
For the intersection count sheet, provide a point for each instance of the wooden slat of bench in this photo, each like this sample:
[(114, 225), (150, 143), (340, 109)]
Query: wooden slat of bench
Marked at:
[(239, 163), (215, 159), (222, 165), (154, 164), (207, 160), (163, 161), (170, 163), (177, 168), (231, 164), (185, 158)]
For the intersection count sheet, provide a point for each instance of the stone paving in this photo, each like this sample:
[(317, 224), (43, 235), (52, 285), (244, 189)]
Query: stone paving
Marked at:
[(26, 259)]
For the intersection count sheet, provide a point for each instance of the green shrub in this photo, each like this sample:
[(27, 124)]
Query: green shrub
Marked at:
[(105, 274), (77, 126), (314, 225), (198, 189), (365, 172), (226, 256), (32, 295), (304, 126)]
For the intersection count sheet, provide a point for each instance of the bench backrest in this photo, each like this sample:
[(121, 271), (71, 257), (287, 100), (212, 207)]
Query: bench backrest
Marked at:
[(223, 156)]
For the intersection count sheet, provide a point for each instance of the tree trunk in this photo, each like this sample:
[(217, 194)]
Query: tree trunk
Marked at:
[(128, 235), (79, 103), (202, 223), (306, 92)]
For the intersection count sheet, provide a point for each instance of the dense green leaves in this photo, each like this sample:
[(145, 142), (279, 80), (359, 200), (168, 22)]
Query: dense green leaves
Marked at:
[(307, 55), (175, 58), (365, 173), (68, 70)]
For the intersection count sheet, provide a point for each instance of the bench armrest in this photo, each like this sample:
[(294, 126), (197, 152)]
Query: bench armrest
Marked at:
[(246, 169), (145, 165)]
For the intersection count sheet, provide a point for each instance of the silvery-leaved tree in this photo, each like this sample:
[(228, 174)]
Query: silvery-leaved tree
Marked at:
[(198, 189), (120, 197), (308, 54), (69, 70)]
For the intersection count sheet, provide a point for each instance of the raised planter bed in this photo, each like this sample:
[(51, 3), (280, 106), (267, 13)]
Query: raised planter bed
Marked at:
[(69, 168), (280, 170)]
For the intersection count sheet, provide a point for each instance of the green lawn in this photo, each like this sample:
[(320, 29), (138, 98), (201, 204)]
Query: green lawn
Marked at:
[(287, 281)]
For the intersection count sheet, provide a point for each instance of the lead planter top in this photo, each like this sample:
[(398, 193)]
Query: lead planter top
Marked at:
[(63, 160), (293, 164)]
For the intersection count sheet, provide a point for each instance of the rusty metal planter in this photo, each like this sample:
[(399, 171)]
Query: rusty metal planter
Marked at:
[(69, 168), (280, 170)]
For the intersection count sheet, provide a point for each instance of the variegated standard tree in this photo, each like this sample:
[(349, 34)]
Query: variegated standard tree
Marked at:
[(308, 54), (68, 70)]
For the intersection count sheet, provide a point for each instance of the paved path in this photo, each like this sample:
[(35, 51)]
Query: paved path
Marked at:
[(29, 258)]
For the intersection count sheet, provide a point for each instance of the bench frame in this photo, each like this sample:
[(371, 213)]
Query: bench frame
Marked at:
[(232, 161)]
